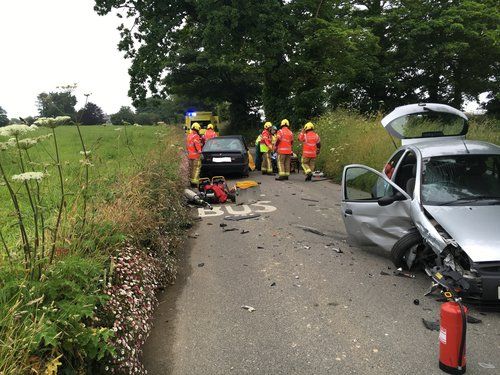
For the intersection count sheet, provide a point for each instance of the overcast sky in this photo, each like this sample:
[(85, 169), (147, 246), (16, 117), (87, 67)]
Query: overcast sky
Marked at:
[(49, 43)]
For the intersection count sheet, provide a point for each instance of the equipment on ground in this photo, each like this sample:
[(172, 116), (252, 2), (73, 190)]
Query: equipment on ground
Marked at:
[(196, 199)]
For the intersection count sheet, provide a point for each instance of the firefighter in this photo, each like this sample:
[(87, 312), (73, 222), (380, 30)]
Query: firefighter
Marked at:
[(284, 146), (311, 144), (209, 134), (193, 145), (266, 147)]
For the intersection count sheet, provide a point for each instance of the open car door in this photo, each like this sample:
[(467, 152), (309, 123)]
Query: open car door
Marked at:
[(375, 210)]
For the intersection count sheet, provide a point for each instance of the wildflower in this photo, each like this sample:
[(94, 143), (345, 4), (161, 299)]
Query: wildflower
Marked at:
[(17, 129), (85, 153), (46, 122), (62, 120), (27, 143), (118, 129), (137, 125), (27, 176)]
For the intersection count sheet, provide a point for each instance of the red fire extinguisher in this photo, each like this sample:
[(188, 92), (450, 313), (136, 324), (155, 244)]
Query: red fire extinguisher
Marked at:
[(452, 335)]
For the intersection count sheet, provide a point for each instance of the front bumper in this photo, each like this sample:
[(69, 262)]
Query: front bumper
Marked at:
[(486, 287)]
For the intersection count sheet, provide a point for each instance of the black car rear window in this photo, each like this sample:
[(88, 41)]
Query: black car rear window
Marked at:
[(223, 144)]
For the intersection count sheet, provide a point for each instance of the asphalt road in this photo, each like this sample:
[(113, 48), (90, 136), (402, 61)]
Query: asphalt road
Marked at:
[(316, 311)]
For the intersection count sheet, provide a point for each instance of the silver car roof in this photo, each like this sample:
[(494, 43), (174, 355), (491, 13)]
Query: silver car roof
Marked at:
[(430, 148)]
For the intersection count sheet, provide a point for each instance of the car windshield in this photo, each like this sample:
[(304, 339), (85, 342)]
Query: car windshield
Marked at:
[(461, 179), (223, 145)]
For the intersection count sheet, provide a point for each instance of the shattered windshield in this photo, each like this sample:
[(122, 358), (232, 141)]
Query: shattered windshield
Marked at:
[(461, 179)]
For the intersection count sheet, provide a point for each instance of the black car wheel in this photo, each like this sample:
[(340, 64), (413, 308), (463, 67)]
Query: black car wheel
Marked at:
[(411, 241), (246, 171)]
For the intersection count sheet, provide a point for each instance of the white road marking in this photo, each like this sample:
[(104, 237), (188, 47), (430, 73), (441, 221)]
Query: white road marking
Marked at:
[(261, 207)]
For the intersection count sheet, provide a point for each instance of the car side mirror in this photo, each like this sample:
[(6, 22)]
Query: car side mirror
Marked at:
[(386, 201)]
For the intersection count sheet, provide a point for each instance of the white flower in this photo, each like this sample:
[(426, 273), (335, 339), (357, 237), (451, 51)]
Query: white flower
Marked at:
[(27, 143), (137, 125), (62, 120), (47, 122), (27, 176), (17, 129), (85, 153), (118, 129)]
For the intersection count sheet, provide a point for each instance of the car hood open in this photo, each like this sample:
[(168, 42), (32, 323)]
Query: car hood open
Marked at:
[(474, 228)]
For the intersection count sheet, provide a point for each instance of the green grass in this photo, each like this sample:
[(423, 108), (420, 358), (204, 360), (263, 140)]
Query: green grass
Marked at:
[(115, 152), (350, 138), (134, 194)]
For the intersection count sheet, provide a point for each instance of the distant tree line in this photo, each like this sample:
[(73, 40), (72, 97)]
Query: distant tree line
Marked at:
[(62, 102), (300, 58)]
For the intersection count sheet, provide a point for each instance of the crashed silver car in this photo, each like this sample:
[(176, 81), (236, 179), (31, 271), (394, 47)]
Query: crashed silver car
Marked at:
[(435, 205)]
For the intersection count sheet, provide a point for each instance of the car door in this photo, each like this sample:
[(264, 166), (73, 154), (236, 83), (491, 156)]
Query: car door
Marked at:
[(367, 222)]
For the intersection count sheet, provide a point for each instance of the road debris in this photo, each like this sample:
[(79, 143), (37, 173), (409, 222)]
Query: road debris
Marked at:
[(239, 218), (249, 308), (399, 272), (431, 325), (332, 304), (383, 273), (194, 235), (310, 200), (273, 283), (201, 264), (222, 225), (243, 231), (307, 247), (489, 366), (416, 301), (230, 229), (311, 230), (472, 320), (260, 247)]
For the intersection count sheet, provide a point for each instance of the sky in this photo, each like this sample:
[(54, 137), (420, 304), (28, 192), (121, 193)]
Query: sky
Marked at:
[(50, 43)]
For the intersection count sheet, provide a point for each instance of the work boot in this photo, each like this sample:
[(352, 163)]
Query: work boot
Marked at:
[(281, 178), (309, 177)]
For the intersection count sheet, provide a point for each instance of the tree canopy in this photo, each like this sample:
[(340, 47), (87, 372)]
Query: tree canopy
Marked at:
[(298, 58), (91, 114), (4, 120), (57, 103)]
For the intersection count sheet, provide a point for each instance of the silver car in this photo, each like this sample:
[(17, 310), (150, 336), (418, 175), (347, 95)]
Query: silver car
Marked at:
[(435, 205)]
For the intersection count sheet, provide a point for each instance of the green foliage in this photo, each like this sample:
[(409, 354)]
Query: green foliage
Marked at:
[(91, 114), (58, 103), (4, 120), (133, 194), (300, 58), (350, 138), (124, 115)]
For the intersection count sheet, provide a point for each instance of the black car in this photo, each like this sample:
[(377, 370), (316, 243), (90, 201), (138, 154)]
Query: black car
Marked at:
[(223, 156)]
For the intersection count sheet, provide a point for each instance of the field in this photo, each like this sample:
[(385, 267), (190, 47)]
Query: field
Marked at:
[(73, 203), (348, 138)]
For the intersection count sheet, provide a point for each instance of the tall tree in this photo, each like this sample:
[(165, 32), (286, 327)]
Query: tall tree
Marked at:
[(91, 114), (4, 120), (124, 115), (57, 103)]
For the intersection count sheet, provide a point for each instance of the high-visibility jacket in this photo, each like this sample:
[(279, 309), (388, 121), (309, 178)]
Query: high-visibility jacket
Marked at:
[(310, 142), (285, 141), (209, 134), (266, 141), (193, 145)]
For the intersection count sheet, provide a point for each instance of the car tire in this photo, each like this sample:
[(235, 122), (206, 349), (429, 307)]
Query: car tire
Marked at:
[(403, 245)]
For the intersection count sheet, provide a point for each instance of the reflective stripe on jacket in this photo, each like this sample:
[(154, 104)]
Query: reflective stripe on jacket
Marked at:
[(209, 134), (193, 145), (285, 141), (310, 142)]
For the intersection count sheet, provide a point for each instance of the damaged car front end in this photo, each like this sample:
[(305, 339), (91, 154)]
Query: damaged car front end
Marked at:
[(436, 204)]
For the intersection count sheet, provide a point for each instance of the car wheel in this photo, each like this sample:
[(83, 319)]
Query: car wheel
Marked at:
[(403, 249)]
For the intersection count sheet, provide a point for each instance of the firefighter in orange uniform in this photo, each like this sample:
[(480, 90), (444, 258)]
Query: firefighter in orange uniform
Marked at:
[(311, 145), (284, 146), (209, 134), (266, 147), (193, 145)]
